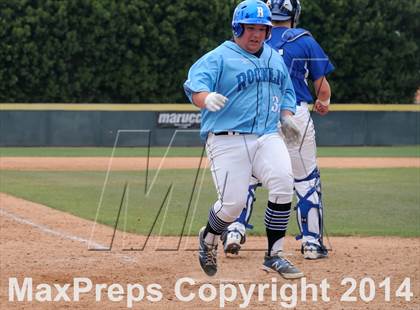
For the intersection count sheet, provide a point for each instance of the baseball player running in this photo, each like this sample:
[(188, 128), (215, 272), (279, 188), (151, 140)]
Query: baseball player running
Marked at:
[(242, 87), (305, 60)]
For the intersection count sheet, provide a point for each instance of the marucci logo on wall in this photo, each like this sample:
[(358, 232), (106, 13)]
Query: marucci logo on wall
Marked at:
[(178, 120)]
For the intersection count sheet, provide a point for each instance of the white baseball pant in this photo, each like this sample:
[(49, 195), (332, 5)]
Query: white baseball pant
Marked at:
[(234, 158)]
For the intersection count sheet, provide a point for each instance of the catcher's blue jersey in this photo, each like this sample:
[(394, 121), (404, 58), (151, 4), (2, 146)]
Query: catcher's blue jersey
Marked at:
[(258, 88), (303, 56)]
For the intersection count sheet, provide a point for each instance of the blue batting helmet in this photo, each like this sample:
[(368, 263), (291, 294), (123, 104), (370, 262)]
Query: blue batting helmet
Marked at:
[(250, 12), (282, 10)]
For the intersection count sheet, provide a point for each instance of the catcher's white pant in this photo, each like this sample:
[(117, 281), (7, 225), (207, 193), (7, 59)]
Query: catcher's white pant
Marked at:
[(234, 158), (303, 163)]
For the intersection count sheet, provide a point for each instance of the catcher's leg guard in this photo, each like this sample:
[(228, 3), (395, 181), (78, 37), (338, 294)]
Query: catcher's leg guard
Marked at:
[(235, 235), (310, 223), (246, 213)]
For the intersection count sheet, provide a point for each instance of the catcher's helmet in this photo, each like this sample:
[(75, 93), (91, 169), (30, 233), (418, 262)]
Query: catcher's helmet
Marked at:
[(282, 10), (250, 12)]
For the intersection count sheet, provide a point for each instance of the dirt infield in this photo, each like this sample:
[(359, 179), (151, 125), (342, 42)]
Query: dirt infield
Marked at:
[(52, 248)]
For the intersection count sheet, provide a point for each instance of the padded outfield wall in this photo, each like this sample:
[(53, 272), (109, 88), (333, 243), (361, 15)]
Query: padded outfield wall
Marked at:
[(155, 125)]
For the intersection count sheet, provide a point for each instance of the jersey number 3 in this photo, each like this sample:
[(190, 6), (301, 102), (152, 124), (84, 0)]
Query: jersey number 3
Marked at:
[(275, 107)]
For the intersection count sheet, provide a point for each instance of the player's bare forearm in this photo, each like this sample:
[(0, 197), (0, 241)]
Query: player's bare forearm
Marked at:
[(198, 99), (322, 89), (323, 92)]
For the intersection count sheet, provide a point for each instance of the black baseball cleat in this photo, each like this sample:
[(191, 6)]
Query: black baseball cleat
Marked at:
[(207, 255)]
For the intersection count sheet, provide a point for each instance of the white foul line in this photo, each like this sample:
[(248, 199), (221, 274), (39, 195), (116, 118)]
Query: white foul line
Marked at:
[(47, 230)]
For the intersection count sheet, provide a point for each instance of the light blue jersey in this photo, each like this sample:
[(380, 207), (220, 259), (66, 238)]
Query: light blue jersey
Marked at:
[(258, 88)]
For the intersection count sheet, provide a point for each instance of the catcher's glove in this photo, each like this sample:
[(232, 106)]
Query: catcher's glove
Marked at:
[(290, 130)]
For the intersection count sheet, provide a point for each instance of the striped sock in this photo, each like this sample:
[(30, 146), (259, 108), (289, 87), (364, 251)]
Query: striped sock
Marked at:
[(215, 227), (276, 220)]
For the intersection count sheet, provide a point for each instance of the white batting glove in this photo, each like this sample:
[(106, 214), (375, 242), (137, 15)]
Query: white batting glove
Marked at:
[(290, 130), (214, 101)]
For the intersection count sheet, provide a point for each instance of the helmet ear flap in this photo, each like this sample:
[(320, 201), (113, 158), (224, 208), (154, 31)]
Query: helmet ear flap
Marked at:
[(268, 33), (237, 29)]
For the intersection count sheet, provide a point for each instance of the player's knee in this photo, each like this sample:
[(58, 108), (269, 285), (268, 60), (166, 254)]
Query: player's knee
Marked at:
[(280, 189), (231, 210)]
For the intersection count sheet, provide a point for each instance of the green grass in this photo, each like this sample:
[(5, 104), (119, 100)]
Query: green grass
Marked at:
[(394, 151), (380, 202), (370, 151)]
